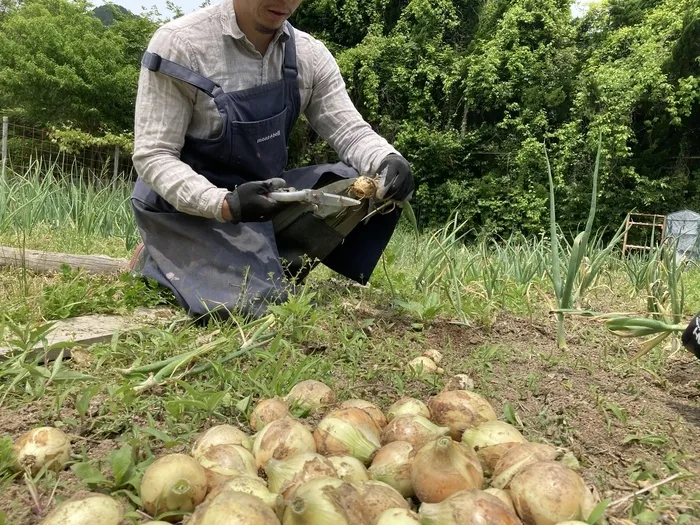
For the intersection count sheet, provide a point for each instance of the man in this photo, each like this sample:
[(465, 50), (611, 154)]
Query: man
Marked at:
[(219, 93), (691, 336)]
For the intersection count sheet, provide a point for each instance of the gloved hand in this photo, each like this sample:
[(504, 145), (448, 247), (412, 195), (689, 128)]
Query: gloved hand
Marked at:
[(249, 204), (395, 179), (691, 336)]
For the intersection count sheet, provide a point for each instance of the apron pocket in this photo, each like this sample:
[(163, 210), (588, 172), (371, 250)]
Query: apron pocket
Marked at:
[(308, 236), (260, 146)]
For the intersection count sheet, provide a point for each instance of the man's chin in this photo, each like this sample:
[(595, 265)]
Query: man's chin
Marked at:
[(267, 30)]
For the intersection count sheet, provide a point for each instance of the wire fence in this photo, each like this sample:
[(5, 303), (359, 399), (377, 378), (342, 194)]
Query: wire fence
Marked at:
[(23, 146)]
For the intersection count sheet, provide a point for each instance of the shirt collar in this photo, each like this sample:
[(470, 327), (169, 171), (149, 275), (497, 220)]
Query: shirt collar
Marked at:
[(230, 25)]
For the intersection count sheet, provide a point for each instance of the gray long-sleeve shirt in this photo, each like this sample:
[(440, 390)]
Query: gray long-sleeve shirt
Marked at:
[(210, 42)]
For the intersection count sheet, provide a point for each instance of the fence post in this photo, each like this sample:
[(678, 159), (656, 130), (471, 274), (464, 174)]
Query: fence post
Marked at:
[(116, 161), (5, 125)]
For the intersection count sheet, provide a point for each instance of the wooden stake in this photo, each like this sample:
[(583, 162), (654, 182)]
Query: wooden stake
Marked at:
[(52, 261)]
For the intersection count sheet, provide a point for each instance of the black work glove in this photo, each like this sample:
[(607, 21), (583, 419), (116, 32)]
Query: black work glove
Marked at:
[(249, 204), (395, 178), (691, 336)]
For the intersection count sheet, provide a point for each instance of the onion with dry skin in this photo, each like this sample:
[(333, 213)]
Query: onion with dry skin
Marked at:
[(363, 188), (547, 493), (349, 468), (459, 410), (267, 411), (281, 439), (417, 430), (398, 517), (443, 467), (459, 382), (224, 462), (392, 465), (250, 485), (468, 507), (41, 446), (517, 458), (373, 410), (434, 355), (310, 395), (174, 482), (376, 497), (491, 440), (88, 510), (220, 435), (424, 367), (504, 496), (231, 508), (319, 502), (348, 432), (408, 406), (285, 475)]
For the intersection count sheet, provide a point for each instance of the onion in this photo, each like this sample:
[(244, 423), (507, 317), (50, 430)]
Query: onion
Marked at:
[(392, 465), (468, 507), (267, 411), (285, 475), (443, 467), (374, 411), (250, 485), (423, 367), (408, 406), (517, 458), (349, 468), (224, 462), (318, 502), (348, 432), (220, 435), (417, 430), (376, 497), (310, 395), (459, 382), (398, 517), (39, 447), (281, 439), (491, 440), (88, 510), (504, 496), (546, 493), (174, 482), (459, 410), (434, 355), (232, 507)]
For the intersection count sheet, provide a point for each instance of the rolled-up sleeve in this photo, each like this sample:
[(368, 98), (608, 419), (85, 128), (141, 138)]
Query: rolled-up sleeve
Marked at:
[(334, 117), (163, 111)]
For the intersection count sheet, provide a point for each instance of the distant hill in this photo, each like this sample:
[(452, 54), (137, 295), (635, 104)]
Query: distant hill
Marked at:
[(106, 13)]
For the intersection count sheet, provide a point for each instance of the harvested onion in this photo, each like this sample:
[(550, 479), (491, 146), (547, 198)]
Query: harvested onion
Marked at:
[(491, 440), (468, 507), (349, 468), (392, 465), (443, 467), (317, 502), (517, 458), (374, 411), (88, 510), (220, 435), (503, 495), (376, 497), (281, 439), (285, 475), (408, 406), (459, 410), (174, 482), (546, 493), (310, 395), (434, 355), (423, 367), (42, 446), (250, 485), (417, 430), (231, 507), (398, 517), (224, 462), (348, 432), (267, 411)]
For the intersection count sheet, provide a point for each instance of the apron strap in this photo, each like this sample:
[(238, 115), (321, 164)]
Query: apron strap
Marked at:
[(290, 56), (154, 62)]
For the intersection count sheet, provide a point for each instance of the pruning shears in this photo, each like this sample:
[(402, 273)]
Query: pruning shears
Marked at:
[(317, 197)]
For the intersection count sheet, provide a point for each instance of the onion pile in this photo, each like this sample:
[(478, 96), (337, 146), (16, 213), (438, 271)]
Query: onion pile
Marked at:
[(448, 462)]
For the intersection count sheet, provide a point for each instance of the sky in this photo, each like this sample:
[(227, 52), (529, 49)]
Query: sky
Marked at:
[(188, 6)]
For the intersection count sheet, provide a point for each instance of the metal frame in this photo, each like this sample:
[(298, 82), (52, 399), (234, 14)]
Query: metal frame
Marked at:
[(654, 224)]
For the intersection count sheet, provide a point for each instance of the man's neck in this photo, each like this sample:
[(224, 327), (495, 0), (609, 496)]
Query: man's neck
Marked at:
[(260, 40)]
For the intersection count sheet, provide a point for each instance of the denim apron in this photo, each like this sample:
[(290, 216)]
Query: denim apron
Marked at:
[(212, 266)]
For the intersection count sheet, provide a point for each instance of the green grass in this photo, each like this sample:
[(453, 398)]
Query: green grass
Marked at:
[(484, 304)]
